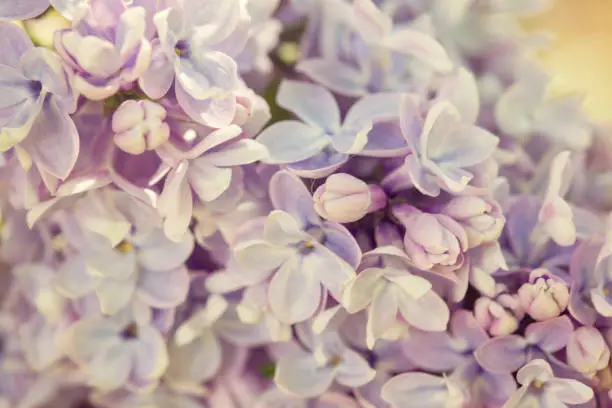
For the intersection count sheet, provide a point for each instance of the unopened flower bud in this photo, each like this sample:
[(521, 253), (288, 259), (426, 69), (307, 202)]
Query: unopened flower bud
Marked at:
[(587, 351), (344, 198), (139, 126), (480, 217), (545, 296), (499, 316), (432, 241)]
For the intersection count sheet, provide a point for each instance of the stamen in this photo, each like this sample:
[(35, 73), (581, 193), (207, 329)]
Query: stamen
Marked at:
[(130, 331), (125, 247)]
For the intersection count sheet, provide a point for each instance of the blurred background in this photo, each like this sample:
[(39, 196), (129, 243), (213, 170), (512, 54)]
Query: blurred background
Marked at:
[(581, 58)]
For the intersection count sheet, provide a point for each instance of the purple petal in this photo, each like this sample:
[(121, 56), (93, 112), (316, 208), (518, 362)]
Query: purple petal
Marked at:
[(503, 354), (354, 371), (570, 391), (303, 376), (53, 141), (163, 289), (305, 141), (208, 181), (551, 335), (215, 112), (421, 46), (14, 41), (334, 75), (288, 193), (157, 253), (294, 295), (432, 351), (156, 82), (23, 9), (311, 103), (341, 242)]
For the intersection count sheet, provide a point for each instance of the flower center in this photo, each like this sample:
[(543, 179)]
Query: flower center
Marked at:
[(130, 332), (182, 49), (125, 247), (538, 384)]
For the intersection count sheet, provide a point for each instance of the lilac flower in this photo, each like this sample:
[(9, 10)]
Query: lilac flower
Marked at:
[(207, 168), (505, 354), (146, 266), (140, 126), (263, 37), (442, 351), (311, 373), (481, 218), (121, 350), (590, 270), (443, 146), (432, 241), (391, 290), (197, 41), (106, 48), (587, 351), (344, 198), (322, 143), (300, 253), (38, 98), (499, 316), (541, 388), (544, 296), (275, 397), (414, 389)]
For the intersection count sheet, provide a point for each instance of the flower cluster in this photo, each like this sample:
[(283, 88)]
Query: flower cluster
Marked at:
[(313, 204)]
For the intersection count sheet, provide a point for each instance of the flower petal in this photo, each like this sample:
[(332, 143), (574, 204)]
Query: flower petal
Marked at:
[(291, 141), (303, 376), (504, 354), (163, 289), (313, 104)]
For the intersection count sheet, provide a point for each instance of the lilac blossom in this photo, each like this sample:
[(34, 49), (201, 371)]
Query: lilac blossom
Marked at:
[(106, 48), (125, 349), (322, 142), (587, 351), (140, 126), (416, 388), (442, 146), (540, 387), (500, 315), (505, 354), (344, 198), (545, 296), (38, 99), (300, 253), (310, 373), (196, 43)]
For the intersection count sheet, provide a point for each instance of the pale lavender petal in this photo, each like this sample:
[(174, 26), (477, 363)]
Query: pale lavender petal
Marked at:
[(354, 371), (151, 355), (551, 335), (311, 103), (303, 376), (163, 289), (216, 112), (570, 391), (294, 294), (208, 181), (288, 193), (53, 141), (158, 253), (291, 141), (334, 75), (503, 354), (157, 80), (23, 9), (14, 41)]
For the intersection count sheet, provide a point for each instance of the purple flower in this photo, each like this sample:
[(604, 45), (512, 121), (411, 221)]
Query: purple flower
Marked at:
[(311, 373), (300, 253), (481, 218), (344, 198), (36, 103), (432, 241), (140, 126), (117, 351), (322, 142), (587, 351), (541, 388), (391, 291), (505, 354), (207, 167), (413, 390), (106, 48), (544, 296), (454, 350), (591, 270), (197, 41), (499, 316), (443, 146)]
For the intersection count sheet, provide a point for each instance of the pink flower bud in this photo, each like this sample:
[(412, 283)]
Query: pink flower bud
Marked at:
[(481, 218), (139, 126), (499, 316), (432, 241), (344, 198), (587, 351), (544, 296)]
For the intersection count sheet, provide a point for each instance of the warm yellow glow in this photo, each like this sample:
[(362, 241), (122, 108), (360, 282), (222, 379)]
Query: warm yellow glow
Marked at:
[(581, 58)]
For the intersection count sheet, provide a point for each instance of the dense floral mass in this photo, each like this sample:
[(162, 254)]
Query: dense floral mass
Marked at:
[(298, 203)]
